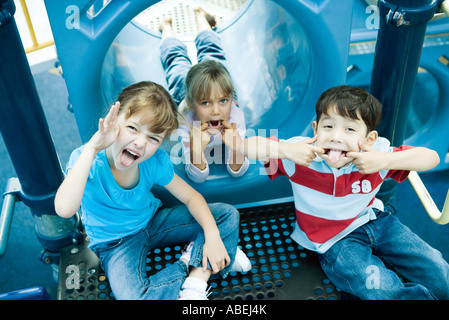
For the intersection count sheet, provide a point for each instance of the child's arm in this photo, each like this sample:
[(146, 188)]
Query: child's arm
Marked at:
[(69, 194), (214, 249), (414, 159), (231, 138), (263, 149), (199, 139)]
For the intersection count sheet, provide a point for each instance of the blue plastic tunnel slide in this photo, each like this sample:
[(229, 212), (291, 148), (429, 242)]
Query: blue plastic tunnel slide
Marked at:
[(281, 54)]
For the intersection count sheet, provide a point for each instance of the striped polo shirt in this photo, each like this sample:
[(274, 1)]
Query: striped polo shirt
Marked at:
[(329, 202)]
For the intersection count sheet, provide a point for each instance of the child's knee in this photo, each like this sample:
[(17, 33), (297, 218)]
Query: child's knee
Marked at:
[(441, 284), (224, 212)]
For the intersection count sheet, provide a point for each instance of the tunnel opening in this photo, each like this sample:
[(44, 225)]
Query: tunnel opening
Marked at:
[(270, 60)]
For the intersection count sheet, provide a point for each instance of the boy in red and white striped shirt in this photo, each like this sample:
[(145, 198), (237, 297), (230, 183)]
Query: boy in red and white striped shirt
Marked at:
[(335, 176)]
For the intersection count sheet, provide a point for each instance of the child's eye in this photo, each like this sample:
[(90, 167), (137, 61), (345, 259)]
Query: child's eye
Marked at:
[(327, 126), (205, 103), (223, 101), (351, 129), (132, 128), (153, 139)]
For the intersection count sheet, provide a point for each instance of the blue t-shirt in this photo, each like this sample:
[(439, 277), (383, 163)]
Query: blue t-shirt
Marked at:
[(110, 212)]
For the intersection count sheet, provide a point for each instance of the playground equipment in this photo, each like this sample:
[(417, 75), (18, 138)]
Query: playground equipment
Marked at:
[(426, 126), (279, 45), (440, 217), (282, 64), (26, 135), (391, 73)]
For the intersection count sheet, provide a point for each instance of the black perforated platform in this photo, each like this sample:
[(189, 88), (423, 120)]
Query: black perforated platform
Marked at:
[(280, 270)]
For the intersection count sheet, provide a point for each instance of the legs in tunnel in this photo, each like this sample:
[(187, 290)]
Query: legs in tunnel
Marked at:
[(174, 56)]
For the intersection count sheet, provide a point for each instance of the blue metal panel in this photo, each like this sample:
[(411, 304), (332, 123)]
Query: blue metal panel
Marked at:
[(27, 137), (82, 43), (432, 131), (36, 293), (398, 50)]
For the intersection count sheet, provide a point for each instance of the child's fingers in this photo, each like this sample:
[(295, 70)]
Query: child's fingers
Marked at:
[(228, 125), (227, 260), (111, 117), (116, 109), (365, 147), (353, 154), (111, 112), (215, 268), (204, 262), (317, 150), (204, 126), (101, 124)]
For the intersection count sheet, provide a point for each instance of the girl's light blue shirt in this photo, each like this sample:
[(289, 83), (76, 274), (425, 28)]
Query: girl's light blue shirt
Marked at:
[(110, 212)]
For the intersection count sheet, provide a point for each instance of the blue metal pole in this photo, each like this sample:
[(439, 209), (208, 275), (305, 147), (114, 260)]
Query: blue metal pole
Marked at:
[(402, 28), (27, 137)]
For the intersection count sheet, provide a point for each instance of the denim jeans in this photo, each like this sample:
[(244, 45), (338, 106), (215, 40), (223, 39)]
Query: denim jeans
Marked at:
[(176, 62), (370, 262), (124, 260)]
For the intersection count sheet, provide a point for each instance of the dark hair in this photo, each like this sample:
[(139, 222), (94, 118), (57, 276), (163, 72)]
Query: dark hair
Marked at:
[(351, 102), (153, 102)]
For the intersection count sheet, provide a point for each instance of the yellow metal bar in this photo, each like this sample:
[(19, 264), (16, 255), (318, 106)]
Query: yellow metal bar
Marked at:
[(445, 7), (440, 217), (29, 23), (40, 46), (36, 45)]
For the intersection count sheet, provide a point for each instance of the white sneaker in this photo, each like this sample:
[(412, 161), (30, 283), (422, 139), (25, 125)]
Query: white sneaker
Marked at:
[(193, 289), (241, 262), (187, 252)]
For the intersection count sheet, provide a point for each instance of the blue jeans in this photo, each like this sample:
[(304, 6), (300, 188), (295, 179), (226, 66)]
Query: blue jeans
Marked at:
[(124, 260), (369, 262), (176, 62)]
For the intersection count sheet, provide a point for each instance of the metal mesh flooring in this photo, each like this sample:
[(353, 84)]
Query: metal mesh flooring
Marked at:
[(184, 22), (281, 270)]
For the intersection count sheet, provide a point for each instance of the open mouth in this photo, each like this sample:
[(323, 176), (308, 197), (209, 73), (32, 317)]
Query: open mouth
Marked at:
[(334, 154), (128, 157), (214, 123)]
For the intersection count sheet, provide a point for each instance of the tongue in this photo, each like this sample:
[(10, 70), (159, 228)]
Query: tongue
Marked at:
[(126, 159), (334, 156)]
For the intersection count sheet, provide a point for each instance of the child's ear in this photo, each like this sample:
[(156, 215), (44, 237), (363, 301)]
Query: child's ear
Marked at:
[(314, 124), (371, 138)]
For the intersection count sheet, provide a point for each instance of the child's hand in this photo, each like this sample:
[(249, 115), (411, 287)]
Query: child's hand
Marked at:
[(108, 130), (199, 139), (303, 152), (215, 252), (231, 136), (369, 161)]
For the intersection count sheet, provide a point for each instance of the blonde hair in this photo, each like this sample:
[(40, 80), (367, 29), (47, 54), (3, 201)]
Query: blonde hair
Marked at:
[(153, 102), (205, 76)]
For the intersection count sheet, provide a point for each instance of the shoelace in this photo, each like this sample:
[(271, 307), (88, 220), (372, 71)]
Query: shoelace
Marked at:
[(208, 293)]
